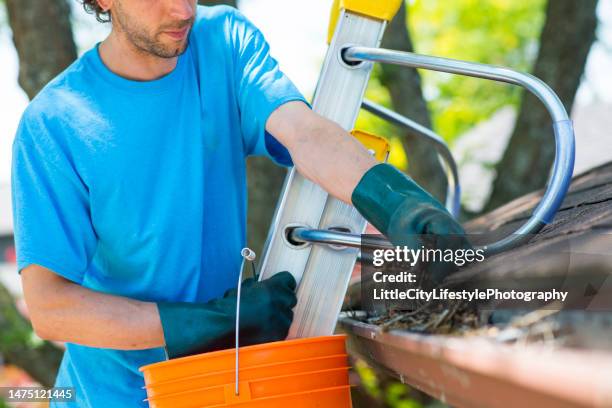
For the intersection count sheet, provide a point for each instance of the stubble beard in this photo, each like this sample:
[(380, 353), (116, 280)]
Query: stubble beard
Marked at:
[(147, 43)]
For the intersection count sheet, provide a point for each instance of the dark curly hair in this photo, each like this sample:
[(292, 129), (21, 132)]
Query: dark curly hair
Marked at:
[(92, 7)]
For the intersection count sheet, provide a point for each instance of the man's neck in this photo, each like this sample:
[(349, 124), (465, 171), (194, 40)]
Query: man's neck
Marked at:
[(126, 60)]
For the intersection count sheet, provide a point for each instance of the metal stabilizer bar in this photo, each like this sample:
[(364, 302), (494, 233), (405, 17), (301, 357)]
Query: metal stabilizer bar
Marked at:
[(563, 166), (562, 127), (453, 192)]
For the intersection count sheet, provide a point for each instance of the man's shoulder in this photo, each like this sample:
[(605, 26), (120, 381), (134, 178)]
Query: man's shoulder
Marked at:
[(219, 19), (219, 13), (54, 107), (61, 94)]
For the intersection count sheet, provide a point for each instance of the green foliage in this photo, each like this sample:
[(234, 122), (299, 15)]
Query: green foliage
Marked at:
[(3, 17), (368, 379), (499, 32), (394, 394), (15, 330), (398, 396)]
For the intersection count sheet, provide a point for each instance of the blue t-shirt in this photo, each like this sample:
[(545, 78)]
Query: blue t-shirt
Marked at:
[(138, 189)]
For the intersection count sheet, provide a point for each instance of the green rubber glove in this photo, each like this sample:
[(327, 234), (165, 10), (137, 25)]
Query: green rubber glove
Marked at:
[(265, 316), (401, 210)]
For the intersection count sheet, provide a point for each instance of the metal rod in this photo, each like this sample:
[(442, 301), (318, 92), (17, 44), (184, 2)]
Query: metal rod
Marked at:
[(248, 255), (563, 166), (318, 236), (453, 192)]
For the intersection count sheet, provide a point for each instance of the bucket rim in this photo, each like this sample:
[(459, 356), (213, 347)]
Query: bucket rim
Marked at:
[(231, 351), (259, 366)]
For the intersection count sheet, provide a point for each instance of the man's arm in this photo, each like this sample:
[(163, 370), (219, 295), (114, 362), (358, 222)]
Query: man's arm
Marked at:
[(321, 150), (397, 206), (61, 310)]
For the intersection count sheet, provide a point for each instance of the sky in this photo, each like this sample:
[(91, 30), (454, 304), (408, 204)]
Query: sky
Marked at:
[(296, 31)]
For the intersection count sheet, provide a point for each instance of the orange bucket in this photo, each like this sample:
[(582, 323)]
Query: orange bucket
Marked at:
[(224, 360), (310, 372), (251, 373)]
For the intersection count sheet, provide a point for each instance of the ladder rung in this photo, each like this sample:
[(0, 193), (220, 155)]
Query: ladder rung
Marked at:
[(331, 237)]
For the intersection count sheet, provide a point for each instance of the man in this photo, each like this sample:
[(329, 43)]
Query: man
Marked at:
[(129, 192)]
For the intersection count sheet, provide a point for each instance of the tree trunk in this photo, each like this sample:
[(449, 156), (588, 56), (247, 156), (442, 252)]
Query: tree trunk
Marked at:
[(265, 180), (42, 34), (404, 85), (43, 38), (565, 42)]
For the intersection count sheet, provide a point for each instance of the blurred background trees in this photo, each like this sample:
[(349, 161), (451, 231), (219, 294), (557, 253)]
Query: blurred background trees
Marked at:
[(43, 38), (565, 41), (551, 39)]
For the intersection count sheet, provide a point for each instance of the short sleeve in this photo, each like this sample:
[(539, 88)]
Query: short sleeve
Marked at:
[(261, 88), (50, 204)]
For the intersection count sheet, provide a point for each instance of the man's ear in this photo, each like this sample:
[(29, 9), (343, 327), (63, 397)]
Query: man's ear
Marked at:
[(105, 4)]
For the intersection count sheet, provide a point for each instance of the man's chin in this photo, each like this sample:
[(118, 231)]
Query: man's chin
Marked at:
[(170, 50)]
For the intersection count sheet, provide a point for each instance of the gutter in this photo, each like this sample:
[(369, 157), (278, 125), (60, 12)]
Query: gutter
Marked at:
[(478, 372)]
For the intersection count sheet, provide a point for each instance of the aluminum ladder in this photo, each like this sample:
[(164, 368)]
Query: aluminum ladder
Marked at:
[(315, 236)]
